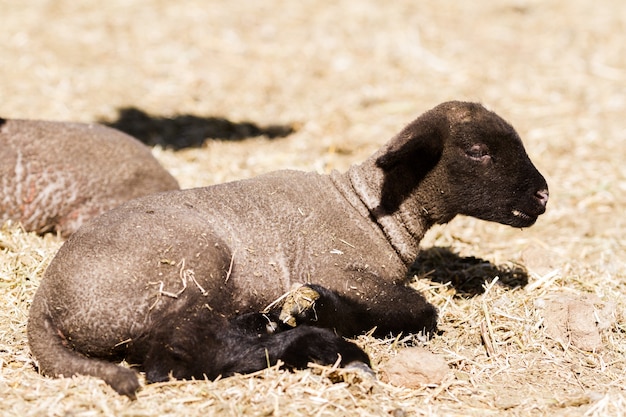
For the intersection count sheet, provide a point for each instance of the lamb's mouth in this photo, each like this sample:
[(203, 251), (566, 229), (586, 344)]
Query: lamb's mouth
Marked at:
[(522, 215), (522, 219)]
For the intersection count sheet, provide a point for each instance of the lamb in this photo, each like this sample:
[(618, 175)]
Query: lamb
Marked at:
[(184, 282), (56, 175)]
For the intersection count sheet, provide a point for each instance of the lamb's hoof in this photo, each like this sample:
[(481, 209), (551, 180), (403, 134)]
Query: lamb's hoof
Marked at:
[(362, 367), (298, 305), (125, 382)]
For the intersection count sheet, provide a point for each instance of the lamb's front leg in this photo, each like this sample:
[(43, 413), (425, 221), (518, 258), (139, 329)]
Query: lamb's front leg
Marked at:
[(392, 310)]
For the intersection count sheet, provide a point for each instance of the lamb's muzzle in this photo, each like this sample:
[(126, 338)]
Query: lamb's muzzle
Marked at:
[(349, 237), (542, 196)]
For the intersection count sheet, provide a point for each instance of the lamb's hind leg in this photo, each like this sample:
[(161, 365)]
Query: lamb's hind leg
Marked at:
[(56, 359), (301, 345), (394, 309), (207, 348)]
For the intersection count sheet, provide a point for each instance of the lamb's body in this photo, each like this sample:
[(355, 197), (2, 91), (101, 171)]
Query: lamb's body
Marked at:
[(207, 254), (55, 175), (302, 232)]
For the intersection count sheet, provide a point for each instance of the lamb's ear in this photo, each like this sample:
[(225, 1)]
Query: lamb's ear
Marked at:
[(419, 142)]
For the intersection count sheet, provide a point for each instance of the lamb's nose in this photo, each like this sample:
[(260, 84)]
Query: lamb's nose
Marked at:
[(542, 197)]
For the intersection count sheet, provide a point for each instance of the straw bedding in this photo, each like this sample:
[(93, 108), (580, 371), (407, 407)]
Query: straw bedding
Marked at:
[(519, 309)]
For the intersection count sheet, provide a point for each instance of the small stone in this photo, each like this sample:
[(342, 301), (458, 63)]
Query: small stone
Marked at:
[(414, 367), (573, 319)]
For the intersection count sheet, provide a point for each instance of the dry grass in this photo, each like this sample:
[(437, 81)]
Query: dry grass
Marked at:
[(349, 74)]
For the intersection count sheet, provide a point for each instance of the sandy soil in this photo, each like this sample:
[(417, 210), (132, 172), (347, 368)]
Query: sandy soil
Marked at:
[(346, 76)]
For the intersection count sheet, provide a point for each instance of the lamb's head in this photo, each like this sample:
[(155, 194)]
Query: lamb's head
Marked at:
[(460, 158)]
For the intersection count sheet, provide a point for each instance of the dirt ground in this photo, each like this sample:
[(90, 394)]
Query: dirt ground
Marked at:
[(532, 325)]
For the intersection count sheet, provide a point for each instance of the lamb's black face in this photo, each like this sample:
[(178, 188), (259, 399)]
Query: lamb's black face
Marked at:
[(460, 158), (490, 174)]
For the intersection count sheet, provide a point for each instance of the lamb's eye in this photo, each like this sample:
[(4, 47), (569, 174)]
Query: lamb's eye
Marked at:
[(478, 152)]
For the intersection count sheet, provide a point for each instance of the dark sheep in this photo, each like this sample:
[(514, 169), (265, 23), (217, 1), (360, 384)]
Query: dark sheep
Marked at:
[(175, 282), (56, 175)]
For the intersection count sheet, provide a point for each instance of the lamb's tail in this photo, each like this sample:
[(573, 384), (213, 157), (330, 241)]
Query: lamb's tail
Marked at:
[(57, 359)]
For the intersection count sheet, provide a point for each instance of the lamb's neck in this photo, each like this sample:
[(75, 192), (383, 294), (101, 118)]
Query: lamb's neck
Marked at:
[(403, 229)]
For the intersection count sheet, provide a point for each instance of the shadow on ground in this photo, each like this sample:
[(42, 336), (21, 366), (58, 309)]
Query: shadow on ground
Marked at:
[(467, 275), (188, 131)]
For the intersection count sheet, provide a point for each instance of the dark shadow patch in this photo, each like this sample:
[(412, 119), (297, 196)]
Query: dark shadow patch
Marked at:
[(467, 275), (188, 131)]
